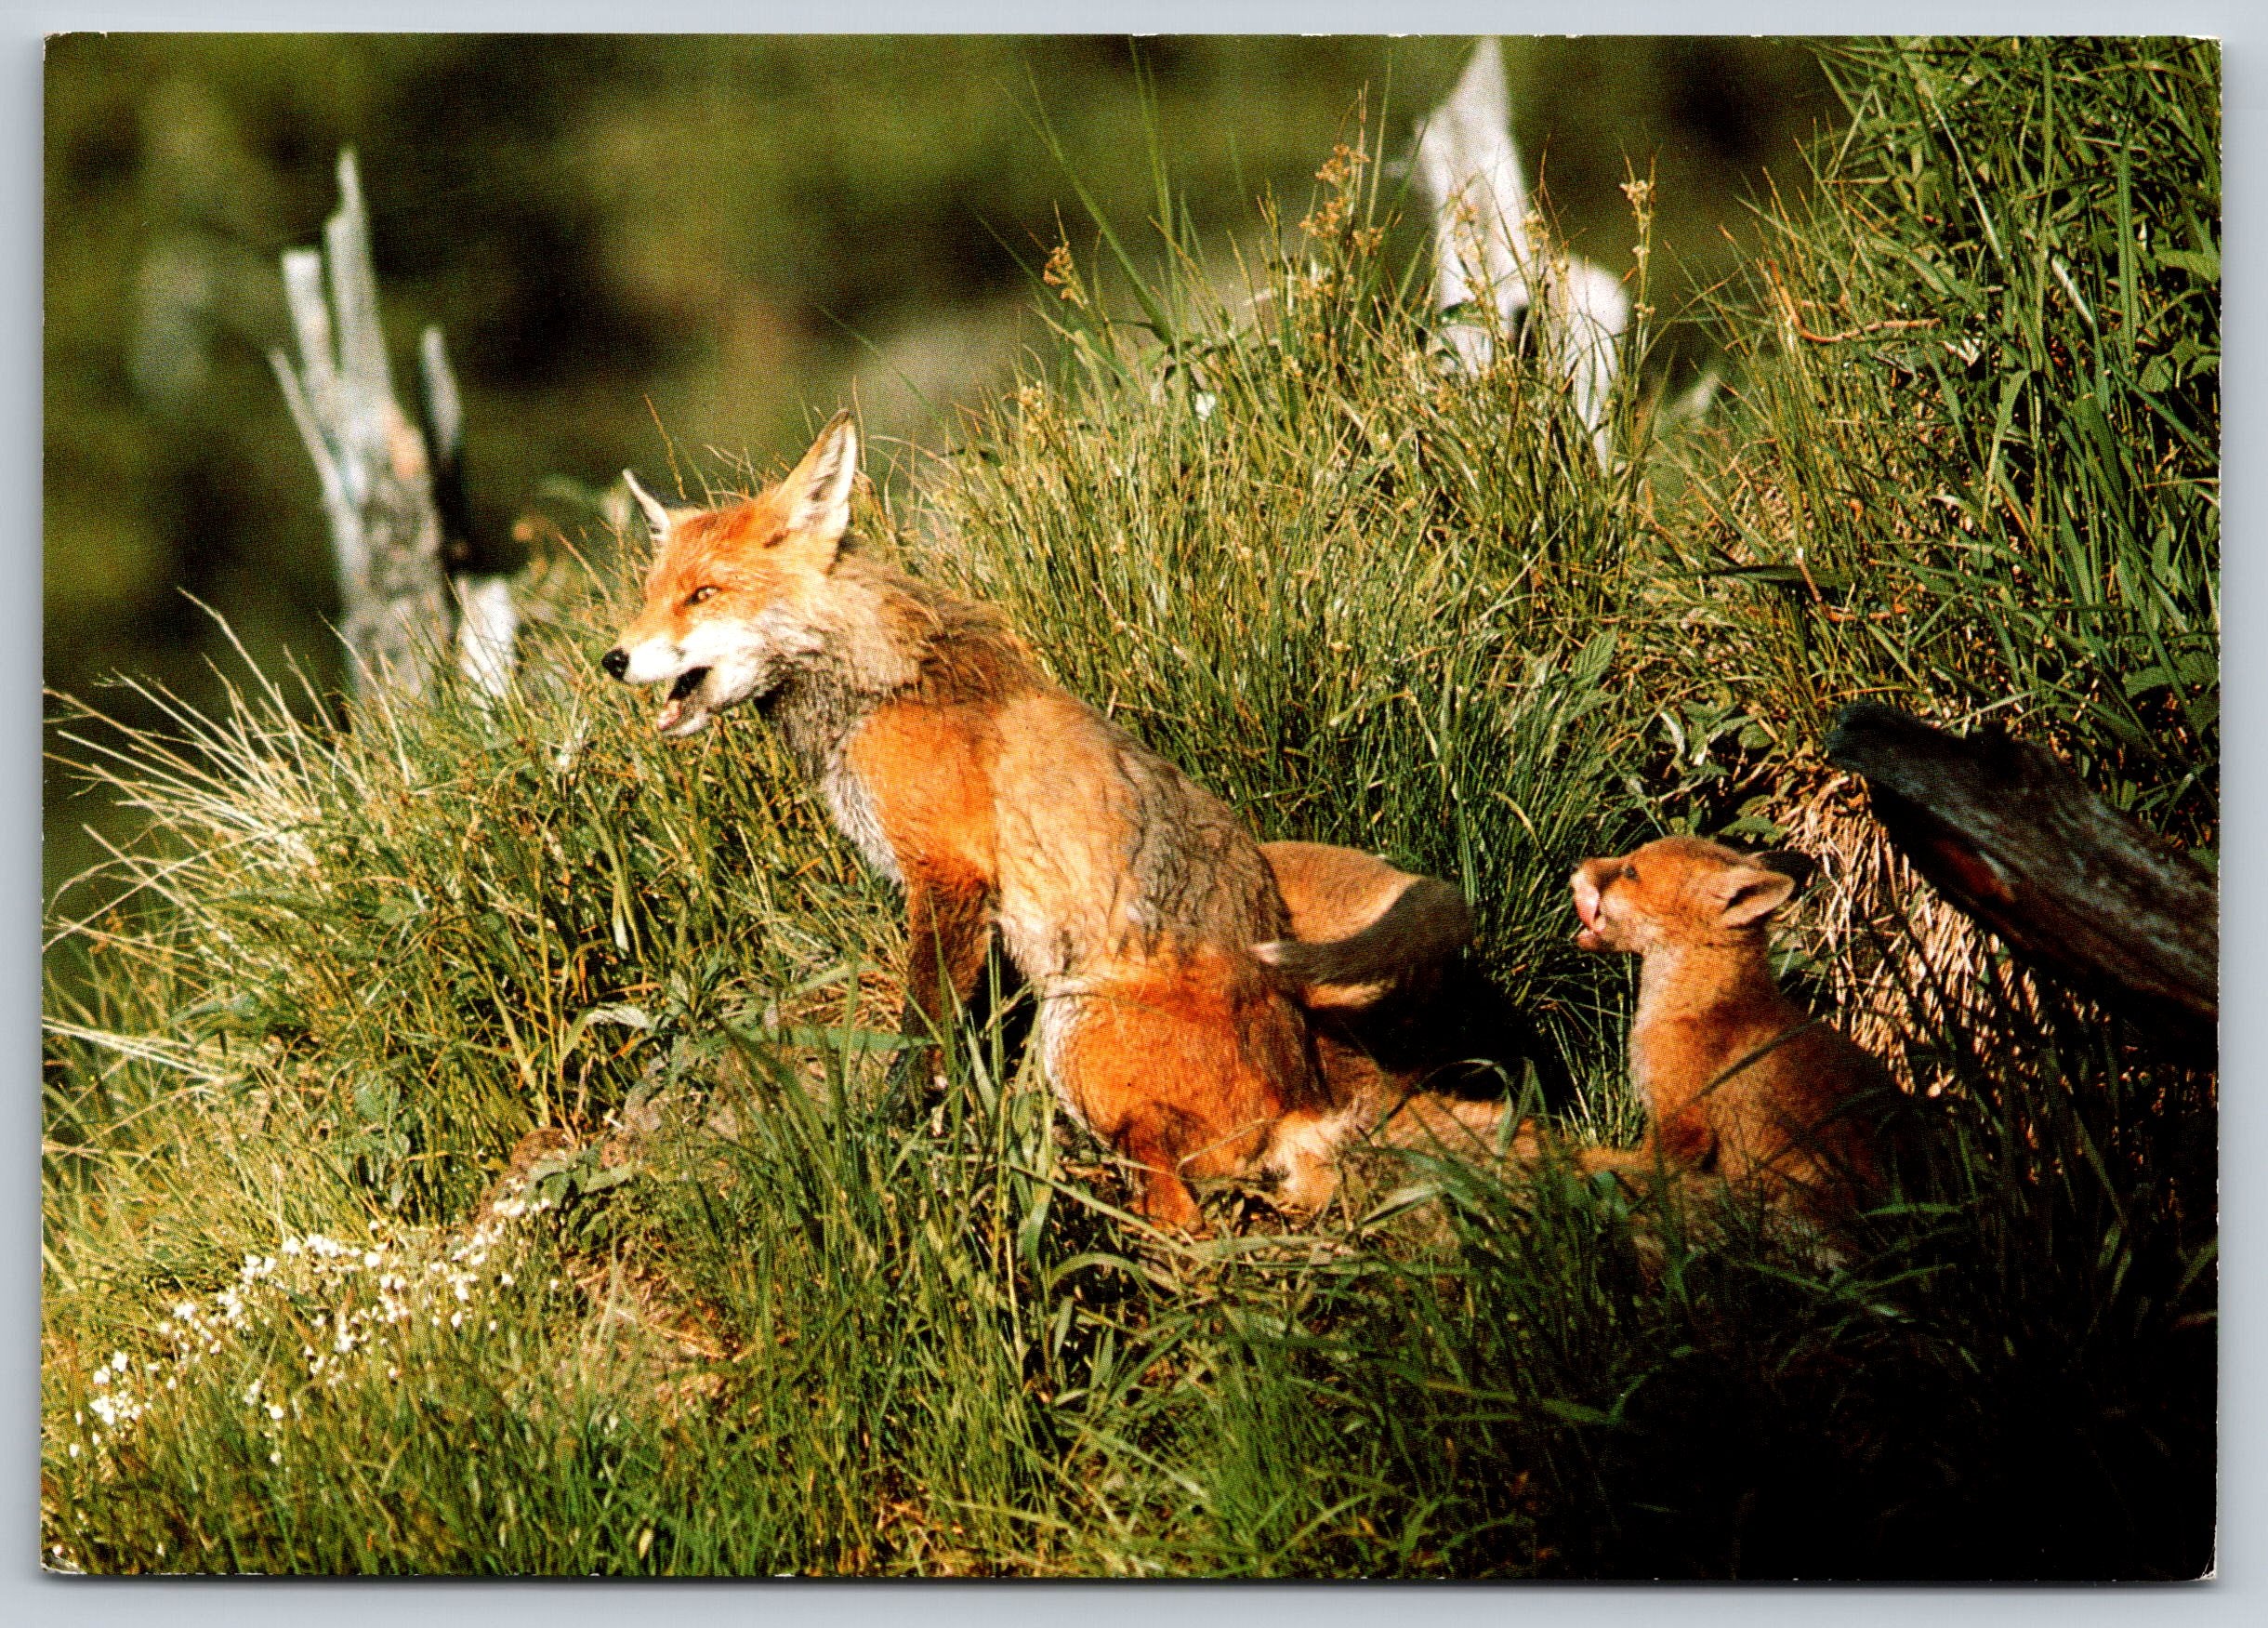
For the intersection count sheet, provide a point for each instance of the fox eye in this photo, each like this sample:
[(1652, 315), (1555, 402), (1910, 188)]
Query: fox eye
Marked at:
[(1628, 873), (699, 595)]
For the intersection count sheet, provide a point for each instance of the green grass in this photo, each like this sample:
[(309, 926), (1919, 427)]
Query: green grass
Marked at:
[(754, 1324)]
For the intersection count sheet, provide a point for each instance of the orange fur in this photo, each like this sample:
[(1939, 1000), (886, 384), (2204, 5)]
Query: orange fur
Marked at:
[(1128, 898), (1332, 891), (1738, 1081), (728, 548), (1386, 1046)]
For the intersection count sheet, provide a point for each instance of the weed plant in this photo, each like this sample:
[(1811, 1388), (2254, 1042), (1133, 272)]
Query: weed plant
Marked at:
[(462, 1151)]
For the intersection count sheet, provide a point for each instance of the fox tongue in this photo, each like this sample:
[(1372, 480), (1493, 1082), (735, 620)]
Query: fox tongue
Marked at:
[(681, 699)]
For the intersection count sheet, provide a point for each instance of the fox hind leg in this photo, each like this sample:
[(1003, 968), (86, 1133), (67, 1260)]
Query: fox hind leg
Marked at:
[(1163, 1078), (1152, 1141)]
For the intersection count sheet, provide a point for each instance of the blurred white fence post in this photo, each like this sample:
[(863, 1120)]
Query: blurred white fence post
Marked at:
[(1488, 252), (487, 618), (383, 478)]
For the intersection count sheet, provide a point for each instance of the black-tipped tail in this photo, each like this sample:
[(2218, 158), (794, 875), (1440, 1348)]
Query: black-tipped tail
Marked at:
[(1426, 924)]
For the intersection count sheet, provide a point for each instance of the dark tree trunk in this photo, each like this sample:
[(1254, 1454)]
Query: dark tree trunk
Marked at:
[(2080, 892)]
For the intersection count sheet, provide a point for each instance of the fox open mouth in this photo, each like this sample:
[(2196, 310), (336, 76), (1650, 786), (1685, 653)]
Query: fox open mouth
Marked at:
[(1588, 900), (684, 712)]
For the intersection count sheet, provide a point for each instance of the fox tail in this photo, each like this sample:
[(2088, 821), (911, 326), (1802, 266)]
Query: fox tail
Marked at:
[(1427, 923)]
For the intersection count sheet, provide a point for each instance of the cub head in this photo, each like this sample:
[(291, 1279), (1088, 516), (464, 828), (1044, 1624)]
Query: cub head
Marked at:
[(1680, 890), (731, 594)]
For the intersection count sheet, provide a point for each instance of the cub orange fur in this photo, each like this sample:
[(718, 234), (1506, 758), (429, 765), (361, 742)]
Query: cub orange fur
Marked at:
[(1738, 1081)]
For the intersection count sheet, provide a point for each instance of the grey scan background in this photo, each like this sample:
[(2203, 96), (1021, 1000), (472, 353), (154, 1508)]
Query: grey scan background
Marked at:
[(2241, 1593)]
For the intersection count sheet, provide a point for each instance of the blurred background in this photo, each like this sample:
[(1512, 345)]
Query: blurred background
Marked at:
[(636, 243)]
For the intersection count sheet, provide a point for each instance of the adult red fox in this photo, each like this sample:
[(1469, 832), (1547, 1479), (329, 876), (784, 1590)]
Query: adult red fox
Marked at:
[(1131, 899), (1738, 1081)]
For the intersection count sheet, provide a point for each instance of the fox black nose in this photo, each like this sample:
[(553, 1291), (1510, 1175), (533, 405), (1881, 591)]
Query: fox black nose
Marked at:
[(617, 662)]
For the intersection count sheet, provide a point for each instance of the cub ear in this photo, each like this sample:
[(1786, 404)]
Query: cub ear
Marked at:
[(1750, 895), (657, 512), (816, 495), (1799, 868)]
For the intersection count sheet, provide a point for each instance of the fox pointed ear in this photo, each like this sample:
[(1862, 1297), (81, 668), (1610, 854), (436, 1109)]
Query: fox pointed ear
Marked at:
[(657, 513), (1750, 894), (816, 494), (1799, 868)]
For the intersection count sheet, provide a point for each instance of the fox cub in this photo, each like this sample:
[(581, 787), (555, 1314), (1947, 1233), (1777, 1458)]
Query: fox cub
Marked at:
[(1128, 898), (1738, 1081)]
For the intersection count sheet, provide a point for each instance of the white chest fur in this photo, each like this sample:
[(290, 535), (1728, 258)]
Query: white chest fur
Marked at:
[(849, 800)]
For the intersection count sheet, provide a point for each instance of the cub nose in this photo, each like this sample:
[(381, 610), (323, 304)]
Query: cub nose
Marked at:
[(617, 662)]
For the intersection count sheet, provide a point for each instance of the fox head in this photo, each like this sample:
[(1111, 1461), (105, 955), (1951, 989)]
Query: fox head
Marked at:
[(1680, 891), (733, 592)]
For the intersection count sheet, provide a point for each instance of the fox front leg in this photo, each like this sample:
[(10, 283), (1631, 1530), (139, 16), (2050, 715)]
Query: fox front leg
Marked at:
[(948, 930), (1672, 1151), (1677, 1149)]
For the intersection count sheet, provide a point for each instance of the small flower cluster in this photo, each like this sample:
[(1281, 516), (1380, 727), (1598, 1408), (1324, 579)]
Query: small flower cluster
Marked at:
[(1062, 275), (112, 1399), (1338, 172), (341, 1295)]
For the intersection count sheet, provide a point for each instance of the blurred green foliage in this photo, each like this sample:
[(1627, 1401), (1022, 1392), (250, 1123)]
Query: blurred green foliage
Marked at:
[(709, 238)]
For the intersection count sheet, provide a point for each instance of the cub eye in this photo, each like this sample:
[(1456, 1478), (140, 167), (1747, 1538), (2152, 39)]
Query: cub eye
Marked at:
[(699, 595), (1628, 873)]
